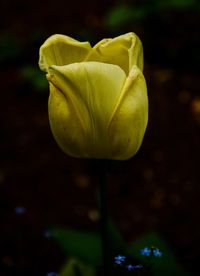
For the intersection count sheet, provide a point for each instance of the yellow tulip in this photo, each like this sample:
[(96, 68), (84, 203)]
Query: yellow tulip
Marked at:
[(98, 105)]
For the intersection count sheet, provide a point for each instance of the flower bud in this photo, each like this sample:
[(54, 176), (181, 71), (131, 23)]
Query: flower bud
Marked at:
[(98, 105)]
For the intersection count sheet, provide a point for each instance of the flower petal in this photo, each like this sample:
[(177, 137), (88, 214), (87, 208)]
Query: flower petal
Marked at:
[(61, 114), (62, 50), (89, 92), (129, 120), (124, 50)]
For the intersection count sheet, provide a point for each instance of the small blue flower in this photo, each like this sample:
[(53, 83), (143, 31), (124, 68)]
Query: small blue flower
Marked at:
[(52, 274), (145, 251), (157, 252), (20, 210), (138, 266), (119, 259), (130, 267)]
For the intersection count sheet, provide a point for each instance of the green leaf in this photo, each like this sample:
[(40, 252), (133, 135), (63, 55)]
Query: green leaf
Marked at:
[(10, 48), (176, 4), (123, 14), (165, 265), (87, 245), (34, 77), (118, 16), (84, 245), (75, 267), (116, 240)]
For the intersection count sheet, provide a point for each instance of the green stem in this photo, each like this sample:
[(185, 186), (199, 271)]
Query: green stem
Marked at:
[(104, 218)]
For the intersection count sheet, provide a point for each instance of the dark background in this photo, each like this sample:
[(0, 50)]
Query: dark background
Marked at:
[(158, 189)]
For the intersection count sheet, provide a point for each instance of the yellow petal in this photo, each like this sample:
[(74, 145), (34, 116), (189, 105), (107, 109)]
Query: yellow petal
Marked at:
[(61, 114), (82, 100), (125, 50), (62, 50), (129, 120)]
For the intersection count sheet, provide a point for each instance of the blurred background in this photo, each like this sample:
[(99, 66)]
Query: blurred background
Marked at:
[(157, 190)]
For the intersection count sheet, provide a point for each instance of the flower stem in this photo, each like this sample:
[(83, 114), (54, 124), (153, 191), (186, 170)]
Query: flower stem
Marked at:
[(104, 218)]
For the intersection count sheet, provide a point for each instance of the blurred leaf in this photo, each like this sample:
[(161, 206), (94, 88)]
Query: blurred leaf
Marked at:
[(118, 15), (116, 240), (83, 245), (87, 245), (10, 48), (123, 14), (177, 4), (165, 265), (34, 77), (75, 267)]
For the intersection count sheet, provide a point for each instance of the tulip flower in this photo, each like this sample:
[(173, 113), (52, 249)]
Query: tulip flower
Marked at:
[(98, 105)]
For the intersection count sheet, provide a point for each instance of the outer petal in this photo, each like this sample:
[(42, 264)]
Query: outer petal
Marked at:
[(124, 50), (82, 100), (62, 50), (128, 123)]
